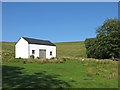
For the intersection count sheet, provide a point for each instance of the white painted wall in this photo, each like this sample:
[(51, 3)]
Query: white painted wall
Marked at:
[(21, 49), (48, 49)]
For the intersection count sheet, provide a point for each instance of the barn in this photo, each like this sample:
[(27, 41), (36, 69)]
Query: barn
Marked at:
[(25, 47)]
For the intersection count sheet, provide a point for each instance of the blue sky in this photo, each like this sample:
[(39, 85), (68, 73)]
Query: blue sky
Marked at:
[(57, 22)]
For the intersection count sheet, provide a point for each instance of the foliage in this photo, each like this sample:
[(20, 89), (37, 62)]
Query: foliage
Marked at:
[(108, 38), (89, 44), (32, 56), (107, 42)]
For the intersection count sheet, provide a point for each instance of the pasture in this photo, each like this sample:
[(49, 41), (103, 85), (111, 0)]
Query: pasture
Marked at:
[(74, 72), (71, 73)]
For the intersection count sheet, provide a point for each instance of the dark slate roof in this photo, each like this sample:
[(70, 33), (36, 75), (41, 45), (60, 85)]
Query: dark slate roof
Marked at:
[(37, 41)]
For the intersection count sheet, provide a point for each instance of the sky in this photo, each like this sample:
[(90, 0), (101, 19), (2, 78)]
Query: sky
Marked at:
[(55, 21)]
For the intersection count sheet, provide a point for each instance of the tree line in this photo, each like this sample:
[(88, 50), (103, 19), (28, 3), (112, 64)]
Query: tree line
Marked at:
[(107, 42)]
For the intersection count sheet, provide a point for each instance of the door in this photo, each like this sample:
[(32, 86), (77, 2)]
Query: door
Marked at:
[(42, 53)]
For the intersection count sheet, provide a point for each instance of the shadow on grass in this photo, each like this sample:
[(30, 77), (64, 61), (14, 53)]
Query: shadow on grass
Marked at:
[(14, 78)]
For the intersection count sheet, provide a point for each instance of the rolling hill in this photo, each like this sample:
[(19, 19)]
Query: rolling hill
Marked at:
[(67, 49), (71, 49)]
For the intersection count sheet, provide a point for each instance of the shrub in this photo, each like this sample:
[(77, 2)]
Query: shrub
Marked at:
[(31, 60), (89, 72), (97, 73), (61, 61), (52, 58), (89, 44), (64, 59), (56, 61), (37, 57), (32, 56), (24, 61), (51, 61), (40, 61), (20, 58)]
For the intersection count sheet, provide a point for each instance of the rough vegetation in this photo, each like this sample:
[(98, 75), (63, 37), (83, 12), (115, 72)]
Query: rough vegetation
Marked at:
[(8, 50), (107, 42)]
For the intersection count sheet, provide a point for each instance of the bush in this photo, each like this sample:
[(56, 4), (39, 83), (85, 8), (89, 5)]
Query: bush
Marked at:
[(53, 58), (56, 61), (61, 61), (89, 72), (51, 61), (64, 59), (32, 56), (31, 60), (24, 61), (40, 61), (37, 57), (89, 44)]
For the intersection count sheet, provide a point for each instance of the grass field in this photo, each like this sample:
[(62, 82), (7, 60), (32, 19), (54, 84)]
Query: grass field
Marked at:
[(73, 49), (73, 73)]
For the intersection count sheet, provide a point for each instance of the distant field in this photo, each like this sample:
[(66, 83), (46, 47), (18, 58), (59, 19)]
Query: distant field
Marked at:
[(71, 49), (8, 50)]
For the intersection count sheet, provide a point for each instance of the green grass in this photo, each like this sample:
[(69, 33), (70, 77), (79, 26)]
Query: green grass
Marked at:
[(70, 74), (71, 49)]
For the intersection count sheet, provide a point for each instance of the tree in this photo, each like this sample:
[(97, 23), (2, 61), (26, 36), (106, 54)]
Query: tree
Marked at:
[(89, 44), (108, 37), (107, 42)]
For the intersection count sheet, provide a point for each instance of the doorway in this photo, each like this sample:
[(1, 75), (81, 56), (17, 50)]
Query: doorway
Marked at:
[(42, 53)]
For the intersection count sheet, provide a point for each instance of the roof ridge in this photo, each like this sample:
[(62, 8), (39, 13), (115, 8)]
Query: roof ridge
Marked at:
[(35, 39), (38, 41)]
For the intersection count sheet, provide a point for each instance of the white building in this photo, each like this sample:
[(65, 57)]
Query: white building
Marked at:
[(25, 47)]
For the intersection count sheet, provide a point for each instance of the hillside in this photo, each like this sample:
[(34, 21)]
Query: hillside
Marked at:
[(8, 50), (71, 49), (68, 49)]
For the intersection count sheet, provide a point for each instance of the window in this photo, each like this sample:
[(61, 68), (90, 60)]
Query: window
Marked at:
[(50, 52), (33, 51)]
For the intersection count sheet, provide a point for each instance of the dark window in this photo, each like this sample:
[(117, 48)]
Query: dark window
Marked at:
[(50, 52), (33, 51)]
